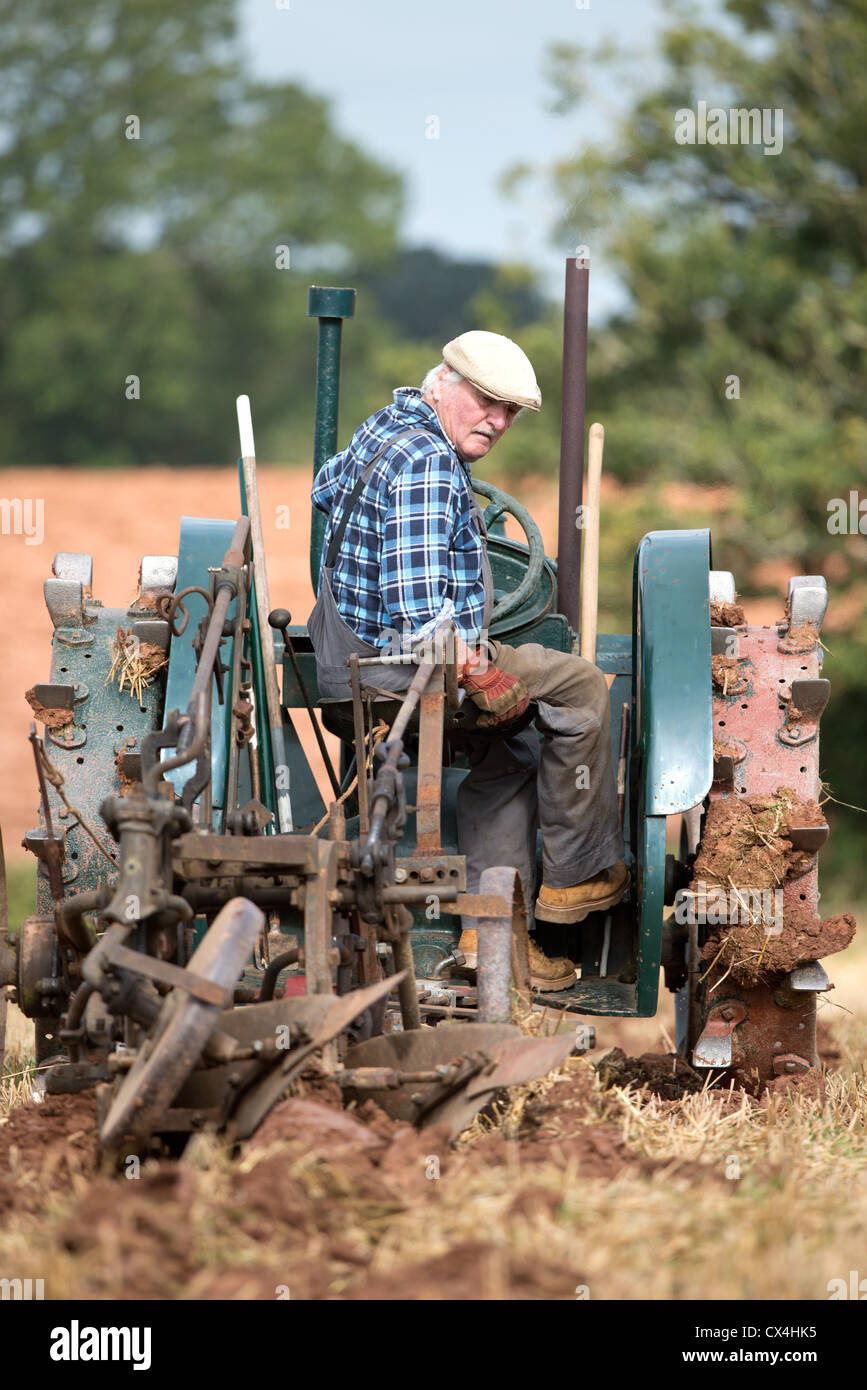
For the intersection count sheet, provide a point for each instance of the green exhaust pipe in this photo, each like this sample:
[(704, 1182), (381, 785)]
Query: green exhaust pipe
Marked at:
[(330, 307)]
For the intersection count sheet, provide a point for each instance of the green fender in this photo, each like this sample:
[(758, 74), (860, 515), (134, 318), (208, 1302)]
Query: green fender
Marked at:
[(673, 715)]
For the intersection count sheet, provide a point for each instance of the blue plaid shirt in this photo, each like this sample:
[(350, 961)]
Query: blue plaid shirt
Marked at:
[(410, 542)]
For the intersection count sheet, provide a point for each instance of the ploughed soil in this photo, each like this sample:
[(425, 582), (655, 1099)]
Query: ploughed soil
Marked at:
[(306, 1190), (663, 1074), (326, 1202)]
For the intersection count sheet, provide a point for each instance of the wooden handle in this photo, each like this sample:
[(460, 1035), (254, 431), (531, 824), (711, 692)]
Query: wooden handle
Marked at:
[(590, 554)]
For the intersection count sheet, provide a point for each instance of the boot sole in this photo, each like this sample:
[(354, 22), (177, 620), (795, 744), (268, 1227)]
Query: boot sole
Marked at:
[(546, 913), (547, 986), (541, 986)]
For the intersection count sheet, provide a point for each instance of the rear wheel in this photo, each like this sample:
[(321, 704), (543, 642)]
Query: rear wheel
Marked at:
[(749, 1005)]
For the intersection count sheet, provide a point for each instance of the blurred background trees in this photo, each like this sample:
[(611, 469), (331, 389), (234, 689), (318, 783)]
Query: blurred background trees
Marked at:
[(156, 257)]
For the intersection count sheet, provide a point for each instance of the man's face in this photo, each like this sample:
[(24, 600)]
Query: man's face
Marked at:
[(473, 421)]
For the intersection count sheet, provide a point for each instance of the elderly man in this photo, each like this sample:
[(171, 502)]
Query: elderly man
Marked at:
[(405, 544)]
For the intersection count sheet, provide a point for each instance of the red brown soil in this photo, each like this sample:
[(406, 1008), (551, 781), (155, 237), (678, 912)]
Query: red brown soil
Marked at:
[(812, 1084), (726, 674), (801, 638), (726, 615), (43, 1145), (756, 956), (744, 843), (663, 1074), (302, 1199), (51, 718)]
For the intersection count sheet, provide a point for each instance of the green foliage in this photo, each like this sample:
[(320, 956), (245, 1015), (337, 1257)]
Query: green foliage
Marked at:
[(429, 296), (20, 890), (156, 256), (748, 265)]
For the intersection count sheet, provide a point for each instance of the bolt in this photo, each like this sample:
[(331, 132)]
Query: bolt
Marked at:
[(335, 897), (778, 1047), (727, 1013), (400, 875), (427, 875)]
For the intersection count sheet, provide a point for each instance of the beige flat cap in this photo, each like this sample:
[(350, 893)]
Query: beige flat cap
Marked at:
[(496, 365)]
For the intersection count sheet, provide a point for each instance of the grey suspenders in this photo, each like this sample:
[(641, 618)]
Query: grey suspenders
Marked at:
[(334, 543)]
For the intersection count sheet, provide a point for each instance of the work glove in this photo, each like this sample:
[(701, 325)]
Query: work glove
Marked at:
[(501, 697)]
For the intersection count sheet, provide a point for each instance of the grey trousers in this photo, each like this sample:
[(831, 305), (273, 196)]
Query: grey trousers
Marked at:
[(565, 783)]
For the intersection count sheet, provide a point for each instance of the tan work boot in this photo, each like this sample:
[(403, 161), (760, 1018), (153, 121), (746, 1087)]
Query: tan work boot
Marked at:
[(547, 973), (469, 945), (575, 903)]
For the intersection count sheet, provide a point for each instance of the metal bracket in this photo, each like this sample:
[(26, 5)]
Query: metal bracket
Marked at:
[(155, 630), (714, 1047), (159, 572), (721, 586), (64, 599), (808, 600), (724, 641), (74, 566), (167, 974), (724, 763), (808, 837), (811, 976), (436, 869), (790, 1064), (809, 698)]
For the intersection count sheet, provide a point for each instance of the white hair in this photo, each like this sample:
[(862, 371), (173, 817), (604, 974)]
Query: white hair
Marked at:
[(450, 378)]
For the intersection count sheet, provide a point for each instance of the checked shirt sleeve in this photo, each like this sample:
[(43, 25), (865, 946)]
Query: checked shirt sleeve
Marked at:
[(325, 486), (422, 560)]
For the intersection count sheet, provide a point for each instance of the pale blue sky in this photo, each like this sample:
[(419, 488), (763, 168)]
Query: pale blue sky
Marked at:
[(477, 65)]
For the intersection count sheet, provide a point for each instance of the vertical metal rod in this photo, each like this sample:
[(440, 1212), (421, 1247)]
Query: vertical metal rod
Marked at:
[(407, 992), (360, 757), (572, 439), (233, 751), (262, 602), (621, 762), (263, 741), (330, 306)]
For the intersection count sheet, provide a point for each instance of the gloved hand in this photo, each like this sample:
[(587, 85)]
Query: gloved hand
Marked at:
[(500, 696)]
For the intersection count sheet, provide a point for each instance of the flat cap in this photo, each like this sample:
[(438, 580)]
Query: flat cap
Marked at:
[(496, 366)]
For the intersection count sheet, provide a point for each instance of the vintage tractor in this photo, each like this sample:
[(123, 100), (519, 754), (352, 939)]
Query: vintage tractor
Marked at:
[(187, 863)]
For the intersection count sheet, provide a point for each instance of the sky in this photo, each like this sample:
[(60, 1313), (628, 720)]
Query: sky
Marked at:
[(471, 72)]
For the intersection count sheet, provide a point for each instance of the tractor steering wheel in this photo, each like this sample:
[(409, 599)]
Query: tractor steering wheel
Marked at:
[(501, 502)]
